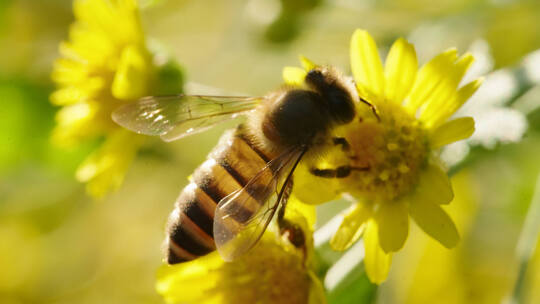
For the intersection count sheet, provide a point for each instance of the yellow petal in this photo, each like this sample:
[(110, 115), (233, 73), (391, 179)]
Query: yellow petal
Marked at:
[(94, 13), (89, 45), (314, 190), (400, 70), (434, 186), (104, 170), (376, 262), (365, 62), (294, 75), (351, 227), (67, 96), (132, 78), (76, 122), (453, 104), (78, 93), (298, 212), (189, 282), (429, 79), (462, 65), (307, 64), (393, 223), (317, 294), (68, 71), (118, 19), (447, 88), (452, 131), (72, 114), (435, 222)]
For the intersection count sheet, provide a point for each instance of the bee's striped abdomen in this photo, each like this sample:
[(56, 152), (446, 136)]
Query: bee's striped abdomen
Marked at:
[(229, 167)]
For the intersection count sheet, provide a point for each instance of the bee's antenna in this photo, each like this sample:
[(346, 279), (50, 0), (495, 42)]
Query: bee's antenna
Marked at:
[(372, 107)]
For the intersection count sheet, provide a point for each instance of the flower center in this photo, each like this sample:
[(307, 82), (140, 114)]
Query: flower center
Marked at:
[(392, 152), (270, 273)]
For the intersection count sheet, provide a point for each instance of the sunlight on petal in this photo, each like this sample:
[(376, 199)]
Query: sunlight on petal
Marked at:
[(365, 62), (447, 87), (429, 79), (400, 70), (131, 79), (452, 131), (105, 168), (351, 227), (185, 282), (453, 104), (307, 64), (294, 75)]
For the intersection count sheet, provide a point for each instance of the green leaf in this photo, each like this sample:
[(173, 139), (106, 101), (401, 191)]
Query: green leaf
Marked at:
[(170, 79), (354, 288)]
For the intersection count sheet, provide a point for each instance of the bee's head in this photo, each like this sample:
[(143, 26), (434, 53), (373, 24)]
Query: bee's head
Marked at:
[(338, 100)]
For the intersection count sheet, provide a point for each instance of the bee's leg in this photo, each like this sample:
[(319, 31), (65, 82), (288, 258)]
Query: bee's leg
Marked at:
[(372, 107), (294, 234), (286, 193), (339, 172), (290, 230), (341, 141)]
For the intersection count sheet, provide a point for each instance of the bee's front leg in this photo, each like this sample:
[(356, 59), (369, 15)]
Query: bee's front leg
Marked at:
[(341, 141), (339, 172)]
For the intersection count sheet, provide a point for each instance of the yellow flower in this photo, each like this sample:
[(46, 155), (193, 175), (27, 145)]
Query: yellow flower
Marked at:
[(405, 176), (274, 271), (104, 64)]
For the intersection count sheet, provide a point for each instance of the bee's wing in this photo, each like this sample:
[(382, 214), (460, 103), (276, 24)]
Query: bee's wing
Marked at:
[(173, 117), (242, 217)]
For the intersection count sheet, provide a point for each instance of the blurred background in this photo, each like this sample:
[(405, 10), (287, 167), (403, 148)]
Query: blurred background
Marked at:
[(58, 245)]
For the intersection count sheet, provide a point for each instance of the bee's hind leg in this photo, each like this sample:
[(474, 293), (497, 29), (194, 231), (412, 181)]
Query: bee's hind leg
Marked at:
[(290, 230), (287, 192)]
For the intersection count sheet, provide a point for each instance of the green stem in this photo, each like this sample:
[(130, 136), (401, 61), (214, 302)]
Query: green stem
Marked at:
[(527, 244)]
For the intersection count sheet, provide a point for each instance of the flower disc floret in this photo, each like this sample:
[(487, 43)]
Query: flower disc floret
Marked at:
[(392, 151)]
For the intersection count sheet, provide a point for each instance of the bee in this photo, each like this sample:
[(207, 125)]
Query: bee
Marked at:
[(235, 193)]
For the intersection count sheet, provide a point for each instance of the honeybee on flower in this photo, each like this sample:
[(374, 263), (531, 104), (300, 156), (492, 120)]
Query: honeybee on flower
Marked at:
[(384, 155), (404, 175)]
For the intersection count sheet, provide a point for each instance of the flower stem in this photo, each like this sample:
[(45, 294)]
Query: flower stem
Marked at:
[(527, 244)]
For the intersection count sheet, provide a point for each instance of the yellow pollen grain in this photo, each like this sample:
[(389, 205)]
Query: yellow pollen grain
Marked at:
[(403, 168), (392, 146), (384, 175), (366, 179)]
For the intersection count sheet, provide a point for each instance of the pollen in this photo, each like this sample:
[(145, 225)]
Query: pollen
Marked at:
[(393, 149)]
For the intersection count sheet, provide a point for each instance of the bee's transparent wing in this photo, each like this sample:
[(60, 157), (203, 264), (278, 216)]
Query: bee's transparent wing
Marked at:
[(242, 217), (173, 117)]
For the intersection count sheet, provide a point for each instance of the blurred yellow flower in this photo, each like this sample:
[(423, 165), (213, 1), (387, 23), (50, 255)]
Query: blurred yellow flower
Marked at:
[(405, 176), (274, 271), (104, 64)]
